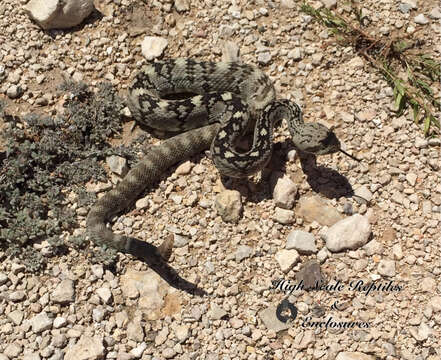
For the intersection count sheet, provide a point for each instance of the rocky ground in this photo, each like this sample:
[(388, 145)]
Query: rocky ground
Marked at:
[(293, 223)]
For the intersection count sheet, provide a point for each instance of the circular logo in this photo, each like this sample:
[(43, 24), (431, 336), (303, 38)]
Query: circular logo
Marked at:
[(286, 311)]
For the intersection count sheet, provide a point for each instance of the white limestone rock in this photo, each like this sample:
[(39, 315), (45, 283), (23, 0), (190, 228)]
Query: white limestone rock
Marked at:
[(57, 14), (153, 47), (350, 233)]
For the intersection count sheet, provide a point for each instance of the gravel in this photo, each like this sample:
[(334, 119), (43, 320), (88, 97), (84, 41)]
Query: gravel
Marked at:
[(232, 241)]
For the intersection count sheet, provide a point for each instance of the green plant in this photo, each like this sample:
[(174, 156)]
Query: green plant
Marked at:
[(392, 56), (48, 157)]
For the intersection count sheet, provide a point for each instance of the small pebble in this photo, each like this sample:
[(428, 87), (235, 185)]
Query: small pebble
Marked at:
[(284, 216), (421, 19), (301, 241), (329, 4), (287, 259), (243, 252), (386, 268), (14, 91)]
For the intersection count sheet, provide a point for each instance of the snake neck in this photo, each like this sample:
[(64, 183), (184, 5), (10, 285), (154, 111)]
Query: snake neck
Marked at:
[(313, 138), (284, 109)]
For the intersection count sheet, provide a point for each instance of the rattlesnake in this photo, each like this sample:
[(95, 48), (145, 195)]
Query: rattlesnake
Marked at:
[(228, 97)]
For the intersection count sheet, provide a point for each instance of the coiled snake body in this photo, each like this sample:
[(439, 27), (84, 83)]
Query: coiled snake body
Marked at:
[(228, 97)]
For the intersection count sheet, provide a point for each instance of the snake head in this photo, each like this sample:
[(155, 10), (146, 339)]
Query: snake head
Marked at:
[(318, 139)]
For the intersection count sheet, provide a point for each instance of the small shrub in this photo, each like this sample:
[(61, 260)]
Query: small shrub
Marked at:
[(47, 157)]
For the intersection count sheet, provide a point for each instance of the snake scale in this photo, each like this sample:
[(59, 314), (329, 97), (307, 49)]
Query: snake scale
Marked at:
[(227, 99)]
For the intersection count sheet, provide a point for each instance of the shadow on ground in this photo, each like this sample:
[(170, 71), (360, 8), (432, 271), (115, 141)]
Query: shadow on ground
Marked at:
[(325, 181), (150, 255)]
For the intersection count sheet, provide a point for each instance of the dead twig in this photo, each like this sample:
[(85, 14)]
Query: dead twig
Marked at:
[(391, 56)]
